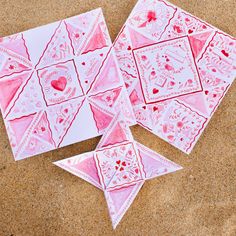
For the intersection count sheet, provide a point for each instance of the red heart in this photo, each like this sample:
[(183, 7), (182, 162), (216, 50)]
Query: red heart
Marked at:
[(155, 108), (155, 91), (83, 63), (118, 162), (121, 168), (129, 48), (190, 31), (123, 163), (206, 92), (225, 53), (136, 171), (59, 84)]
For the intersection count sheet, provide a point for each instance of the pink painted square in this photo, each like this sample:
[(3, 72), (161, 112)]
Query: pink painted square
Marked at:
[(176, 69), (60, 84)]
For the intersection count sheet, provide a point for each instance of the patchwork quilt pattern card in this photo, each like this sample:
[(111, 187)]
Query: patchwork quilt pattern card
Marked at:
[(176, 68), (60, 84), (119, 166)]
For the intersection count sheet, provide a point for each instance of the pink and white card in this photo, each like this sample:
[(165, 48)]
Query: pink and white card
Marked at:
[(176, 68), (119, 166), (60, 84)]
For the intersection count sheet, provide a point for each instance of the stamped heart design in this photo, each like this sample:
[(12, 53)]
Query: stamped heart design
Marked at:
[(155, 108), (118, 162), (59, 84), (190, 31), (155, 91)]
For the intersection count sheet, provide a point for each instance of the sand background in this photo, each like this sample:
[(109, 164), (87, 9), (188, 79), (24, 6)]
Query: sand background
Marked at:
[(37, 198)]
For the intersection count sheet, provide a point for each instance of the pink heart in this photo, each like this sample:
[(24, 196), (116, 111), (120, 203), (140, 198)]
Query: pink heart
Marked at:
[(59, 84), (155, 91)]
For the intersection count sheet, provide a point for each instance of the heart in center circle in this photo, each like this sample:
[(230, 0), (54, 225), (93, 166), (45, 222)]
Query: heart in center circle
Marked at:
[(59, 84)]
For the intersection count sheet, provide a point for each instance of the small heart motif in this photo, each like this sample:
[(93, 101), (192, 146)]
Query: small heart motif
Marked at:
[(136, 171), (144, 107), (206, 92), (177, 29), (118, 162), (129, 48), (59, 84), (155, 91), (83, 63), (66, 110), (155, 108), (61, 120), (190, 31), (123, 163), (225, 53), (101, 55), (43, 129), (121, 169)]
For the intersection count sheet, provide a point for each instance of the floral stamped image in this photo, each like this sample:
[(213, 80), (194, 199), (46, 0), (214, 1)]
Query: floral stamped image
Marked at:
[(60, 84), (119, 166), (176, 69)]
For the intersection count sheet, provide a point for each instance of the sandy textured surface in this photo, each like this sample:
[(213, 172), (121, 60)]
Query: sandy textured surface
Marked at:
[(38, 198)]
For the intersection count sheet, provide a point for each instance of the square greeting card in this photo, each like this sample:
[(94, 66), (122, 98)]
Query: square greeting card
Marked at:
[(60, 84), (176, 69)]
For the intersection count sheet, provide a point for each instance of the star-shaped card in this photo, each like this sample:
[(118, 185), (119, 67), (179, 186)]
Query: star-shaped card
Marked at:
[(119, 166), (176, 68), (60, 84)]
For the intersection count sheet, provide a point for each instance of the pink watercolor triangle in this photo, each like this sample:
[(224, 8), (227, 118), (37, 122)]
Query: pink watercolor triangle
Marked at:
[(61, 118), (34, 146), (139, 40), (29, 99), (196, 100), (117, 135), (59, 47), (154, 164), (108, 77), (119, 201), (42, 129), (102, 118), (16, 44), (9, 88), (198, 42), (97, 41), (107, 98), (83, 167), (24, 123)]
